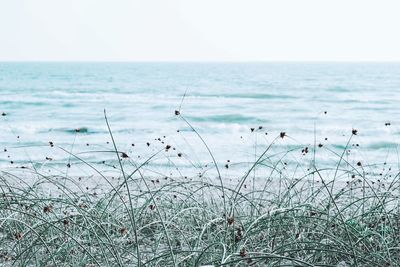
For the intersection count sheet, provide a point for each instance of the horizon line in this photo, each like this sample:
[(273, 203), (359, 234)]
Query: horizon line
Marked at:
[(199, 61)]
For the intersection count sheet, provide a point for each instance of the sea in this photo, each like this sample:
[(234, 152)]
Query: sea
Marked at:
[(165, 116)]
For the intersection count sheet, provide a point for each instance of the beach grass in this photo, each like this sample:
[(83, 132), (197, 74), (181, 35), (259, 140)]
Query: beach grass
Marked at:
[(338, 215)]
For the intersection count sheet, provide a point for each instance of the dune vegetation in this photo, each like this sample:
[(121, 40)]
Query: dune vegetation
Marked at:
[(338, 215)]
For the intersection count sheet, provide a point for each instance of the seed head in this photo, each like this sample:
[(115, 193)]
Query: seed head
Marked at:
[(123, 231), (243, 253), (48, 209), (18, 236)]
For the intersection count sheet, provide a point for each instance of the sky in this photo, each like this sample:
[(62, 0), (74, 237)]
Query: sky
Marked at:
[(199, 30)]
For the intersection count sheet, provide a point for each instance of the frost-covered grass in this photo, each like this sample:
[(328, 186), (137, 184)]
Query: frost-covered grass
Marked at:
[(338, 215)]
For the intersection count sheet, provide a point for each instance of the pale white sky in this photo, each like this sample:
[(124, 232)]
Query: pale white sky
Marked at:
[(201, 30)]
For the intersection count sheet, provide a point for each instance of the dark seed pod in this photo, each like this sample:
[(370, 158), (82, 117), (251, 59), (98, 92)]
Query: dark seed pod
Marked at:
[(123, 231), (243, 253), (48, 209), (18, 235)]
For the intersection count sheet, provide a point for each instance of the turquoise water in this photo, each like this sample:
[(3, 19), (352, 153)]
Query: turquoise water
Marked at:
[(46, 102)]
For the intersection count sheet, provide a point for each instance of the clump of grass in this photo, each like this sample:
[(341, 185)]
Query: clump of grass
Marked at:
[(339, 215)]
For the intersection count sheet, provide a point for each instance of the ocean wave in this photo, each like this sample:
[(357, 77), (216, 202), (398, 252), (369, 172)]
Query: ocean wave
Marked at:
[(24, 103), (78, 130), (227, 118), (338, 89), (382, 145), (246, 96)]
